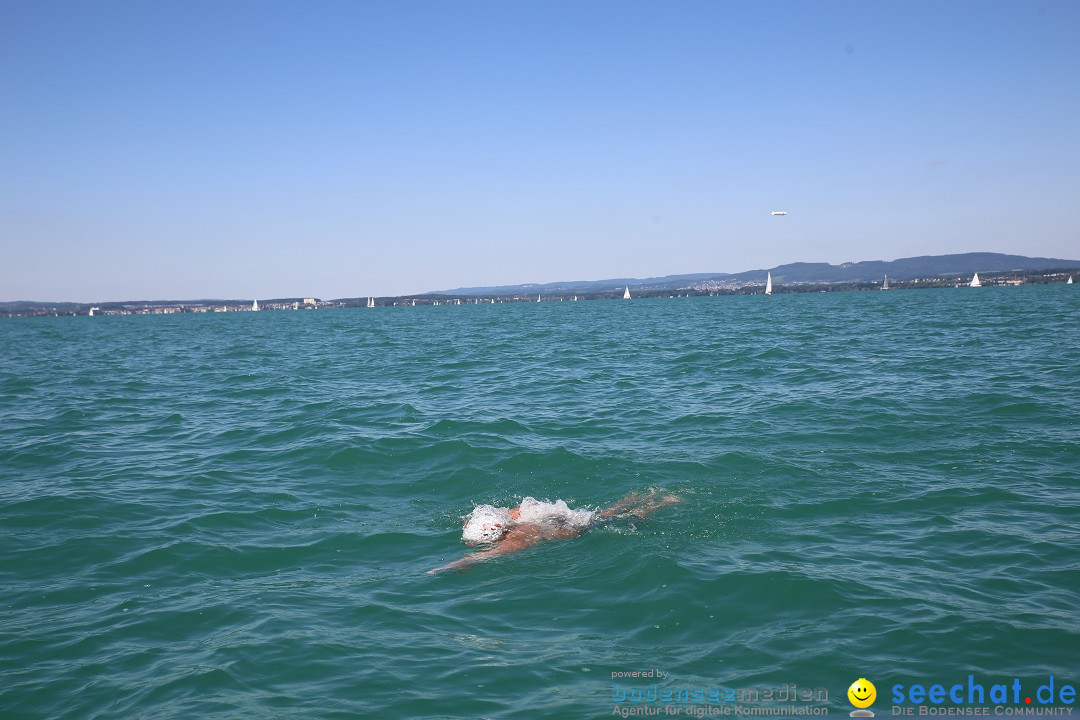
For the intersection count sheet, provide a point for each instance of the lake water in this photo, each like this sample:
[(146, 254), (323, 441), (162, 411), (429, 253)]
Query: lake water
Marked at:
[(231, 515)]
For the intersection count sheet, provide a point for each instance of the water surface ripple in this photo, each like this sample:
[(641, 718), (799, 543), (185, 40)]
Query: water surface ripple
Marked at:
[(231, 515)]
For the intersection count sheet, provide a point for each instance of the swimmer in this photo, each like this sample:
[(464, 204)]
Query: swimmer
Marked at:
[(533, 521)]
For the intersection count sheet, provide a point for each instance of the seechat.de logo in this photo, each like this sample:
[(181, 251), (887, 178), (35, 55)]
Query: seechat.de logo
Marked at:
[(862, 694)]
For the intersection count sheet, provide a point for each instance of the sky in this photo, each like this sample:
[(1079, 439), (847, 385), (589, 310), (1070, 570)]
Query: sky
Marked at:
[(234, 149)]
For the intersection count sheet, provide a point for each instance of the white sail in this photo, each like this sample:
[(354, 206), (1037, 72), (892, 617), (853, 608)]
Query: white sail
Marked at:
[(371, 302), (626, 293), (254, 306), (1069, 281), (92, 311), (537, 297), (975, 281), (768, 285), (885, 285)]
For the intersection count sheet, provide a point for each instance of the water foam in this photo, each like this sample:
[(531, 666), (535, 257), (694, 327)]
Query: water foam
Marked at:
[(487, 523), (537, 511)]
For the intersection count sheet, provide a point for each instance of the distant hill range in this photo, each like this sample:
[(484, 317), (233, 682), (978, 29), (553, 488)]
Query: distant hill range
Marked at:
[(926, 266), (931, 270)]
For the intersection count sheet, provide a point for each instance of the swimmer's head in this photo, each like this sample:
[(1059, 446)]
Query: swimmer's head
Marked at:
[(485, 524)]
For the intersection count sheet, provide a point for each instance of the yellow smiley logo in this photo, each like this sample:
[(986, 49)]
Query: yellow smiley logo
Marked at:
[(862, 693)]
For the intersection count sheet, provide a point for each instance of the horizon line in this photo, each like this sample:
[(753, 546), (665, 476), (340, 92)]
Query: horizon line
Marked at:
[(536, 285)]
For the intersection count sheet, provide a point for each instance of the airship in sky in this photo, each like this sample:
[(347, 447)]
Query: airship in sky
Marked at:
[(778, 212)]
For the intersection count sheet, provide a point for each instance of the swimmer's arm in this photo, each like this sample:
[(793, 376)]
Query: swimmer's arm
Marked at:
[(622, 505), (640, 505), (461, 564), (514, 541)]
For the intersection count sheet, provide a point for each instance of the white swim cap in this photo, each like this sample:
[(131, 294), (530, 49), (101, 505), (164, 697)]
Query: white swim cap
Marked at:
[(485, 524)]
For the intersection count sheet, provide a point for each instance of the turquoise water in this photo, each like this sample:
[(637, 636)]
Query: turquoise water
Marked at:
[(231, 516)]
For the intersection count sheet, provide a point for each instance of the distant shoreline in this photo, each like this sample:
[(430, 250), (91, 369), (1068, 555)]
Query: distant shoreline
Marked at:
[(921, 271), (704, 288)]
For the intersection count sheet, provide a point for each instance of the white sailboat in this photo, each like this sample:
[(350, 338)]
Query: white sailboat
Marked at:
[(92, 311), (371, 302), (414, 303), (626, 293), (537, 297), (975, 281), (1069, 281), (885, 285), (768, 285), (254, 306)]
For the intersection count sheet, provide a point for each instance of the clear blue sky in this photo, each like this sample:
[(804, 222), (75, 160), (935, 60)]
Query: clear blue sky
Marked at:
[(192, 149)]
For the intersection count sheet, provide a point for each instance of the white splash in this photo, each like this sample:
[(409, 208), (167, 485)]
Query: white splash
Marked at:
[(487, 523), (536, 511)]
